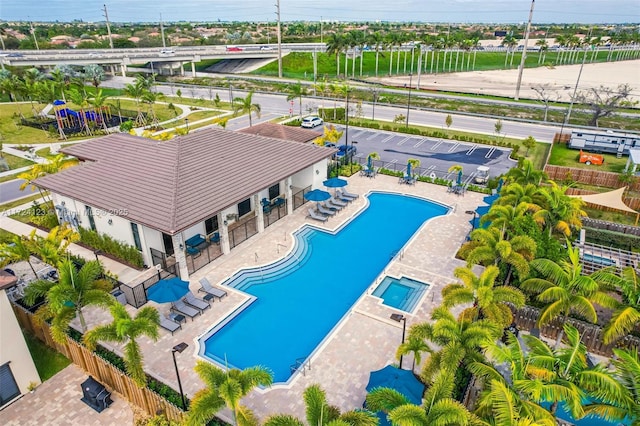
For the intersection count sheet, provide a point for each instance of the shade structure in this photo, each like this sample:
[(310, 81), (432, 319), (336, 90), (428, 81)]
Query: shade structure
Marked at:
[(59, 102), (459, 181), (335, 182), (403, 381), (168, 290), (317, 195)]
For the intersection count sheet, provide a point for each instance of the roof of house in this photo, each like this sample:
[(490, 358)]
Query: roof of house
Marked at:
[(280, 131), (172, 185), (7, 280)]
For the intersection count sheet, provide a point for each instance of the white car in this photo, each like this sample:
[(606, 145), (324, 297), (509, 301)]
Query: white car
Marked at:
[(311, 122), (167, 52), (266, 48)]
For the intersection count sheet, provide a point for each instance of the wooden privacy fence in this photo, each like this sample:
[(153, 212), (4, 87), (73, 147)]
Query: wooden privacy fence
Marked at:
[(103, 371), (589, 177), (590, 334)]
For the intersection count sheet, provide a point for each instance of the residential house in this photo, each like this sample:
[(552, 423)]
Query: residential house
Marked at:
[(185, 201)]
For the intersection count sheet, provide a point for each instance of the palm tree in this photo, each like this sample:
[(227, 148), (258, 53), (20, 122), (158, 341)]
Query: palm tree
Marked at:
[(566, 290), (335, 44), (136, 91), (98, 102), (16, 250), (505, 216), (526, 173), (559, 212), (65, 299), (246, 106), (414, 345), (543, 47), (627, 314), (488, 300), (297, 91), (126, 330), (377, 41), (514, 194), (439, 407), (52, 248), (490, 246), (225, 388), (150, 98)]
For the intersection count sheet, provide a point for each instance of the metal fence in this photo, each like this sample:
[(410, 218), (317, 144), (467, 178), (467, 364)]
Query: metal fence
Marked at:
[(136, 291), (203, 257), (242, 230), (298, 198), (275, 214), (610, 226)]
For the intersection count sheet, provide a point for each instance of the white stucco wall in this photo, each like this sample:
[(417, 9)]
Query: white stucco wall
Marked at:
[(13, 348)]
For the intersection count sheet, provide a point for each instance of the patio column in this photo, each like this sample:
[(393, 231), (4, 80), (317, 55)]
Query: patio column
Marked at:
[(224, 235), (181, 258), (258, 206), (288, 195)]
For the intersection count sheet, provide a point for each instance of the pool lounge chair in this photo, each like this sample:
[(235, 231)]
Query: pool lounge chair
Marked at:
[(346, 194), (192, 300), (326, 211), (330, 206), (209, 289), (168, 324), (181, 307), (340, 197), (336, 202), (317, 216)]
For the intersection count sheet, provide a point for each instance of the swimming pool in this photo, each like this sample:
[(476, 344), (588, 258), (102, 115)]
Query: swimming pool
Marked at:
[(599, 260), (403, 293), (298, 300)]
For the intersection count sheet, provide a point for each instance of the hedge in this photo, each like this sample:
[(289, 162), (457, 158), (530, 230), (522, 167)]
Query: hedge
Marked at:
[(608, 238), (122, 251)]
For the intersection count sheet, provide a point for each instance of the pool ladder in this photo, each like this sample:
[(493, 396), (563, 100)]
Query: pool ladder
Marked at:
[(301, 364)]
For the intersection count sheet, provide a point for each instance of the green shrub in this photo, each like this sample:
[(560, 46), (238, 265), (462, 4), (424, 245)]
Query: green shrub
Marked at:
[(111, 246), (608, 238)]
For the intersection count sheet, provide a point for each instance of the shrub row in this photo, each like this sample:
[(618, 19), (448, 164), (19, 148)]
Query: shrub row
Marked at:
[(109, 245), (612, 239)]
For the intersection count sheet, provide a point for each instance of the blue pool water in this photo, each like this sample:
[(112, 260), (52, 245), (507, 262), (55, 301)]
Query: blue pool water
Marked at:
[(599, 260), (403, 293), (300, 299), (564, 414)]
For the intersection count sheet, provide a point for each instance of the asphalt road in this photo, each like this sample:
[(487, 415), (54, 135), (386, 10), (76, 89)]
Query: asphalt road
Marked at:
[(11, 190)]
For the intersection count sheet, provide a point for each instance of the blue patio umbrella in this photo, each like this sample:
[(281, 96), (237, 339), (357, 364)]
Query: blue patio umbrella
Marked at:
[(168, 290), (459, 181), (317, 195), (369, 163), (408, 170), (335, 182), (58, 102), (489, 199), (402, 381)]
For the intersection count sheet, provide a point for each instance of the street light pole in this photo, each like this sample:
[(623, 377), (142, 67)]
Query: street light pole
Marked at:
[(398, 318), (409, 100), (180, 347)]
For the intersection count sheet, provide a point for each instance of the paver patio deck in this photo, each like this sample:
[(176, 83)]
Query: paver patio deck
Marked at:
[(366, 338)]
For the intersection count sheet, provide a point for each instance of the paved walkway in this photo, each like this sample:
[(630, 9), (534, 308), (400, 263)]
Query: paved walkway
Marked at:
[(57, 402)]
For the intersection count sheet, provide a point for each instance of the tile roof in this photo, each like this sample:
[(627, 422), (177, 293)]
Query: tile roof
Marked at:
[(280, 131), (7, 280), (172, 185)]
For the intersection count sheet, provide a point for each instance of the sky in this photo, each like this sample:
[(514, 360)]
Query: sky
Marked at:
[(454, 11)]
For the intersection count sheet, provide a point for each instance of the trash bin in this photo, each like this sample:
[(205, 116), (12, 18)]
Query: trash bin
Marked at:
[(120, 296)]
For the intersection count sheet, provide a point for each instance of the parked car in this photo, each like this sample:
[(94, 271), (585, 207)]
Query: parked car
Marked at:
[(234, 49), (311, 122), (167, 52), (345, 150)]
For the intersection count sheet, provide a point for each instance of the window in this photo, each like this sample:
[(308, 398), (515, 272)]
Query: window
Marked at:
[(8, 387), (211, 225), (92, 222), (168, 244), (274, 191), (244, 207), (136, 236)]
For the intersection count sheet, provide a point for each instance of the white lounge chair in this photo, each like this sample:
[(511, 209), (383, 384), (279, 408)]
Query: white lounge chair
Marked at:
[(168, 324), (325, 211), (317, 216), (346, 194), (209, 289), (181, 307), (192, 300)]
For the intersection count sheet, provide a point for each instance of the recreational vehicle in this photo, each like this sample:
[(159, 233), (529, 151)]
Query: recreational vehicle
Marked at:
[(604, 141)]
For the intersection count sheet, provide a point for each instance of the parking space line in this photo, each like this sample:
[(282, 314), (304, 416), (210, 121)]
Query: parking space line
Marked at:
[(358, 133), (473, 148), (404, 140), (391, 163), (420, 142), (373, 136), (388, 138), (435, 147), (454, 147), (490, 153)]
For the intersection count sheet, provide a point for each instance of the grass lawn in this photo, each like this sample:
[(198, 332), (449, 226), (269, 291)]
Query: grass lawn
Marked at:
[(48, 361), (16, 162), (562, 155), (611, 216), (14, 133)]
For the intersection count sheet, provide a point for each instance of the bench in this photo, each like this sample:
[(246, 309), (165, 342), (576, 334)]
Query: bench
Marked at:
[(195, 241)]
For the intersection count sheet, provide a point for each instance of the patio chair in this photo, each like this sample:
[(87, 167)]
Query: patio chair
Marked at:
[(181, 307), (317, 216), (197, 303), (266, 206), (325, 211), (215, 238), (346, 194), (336, 202), (209, 289), (168, 324)]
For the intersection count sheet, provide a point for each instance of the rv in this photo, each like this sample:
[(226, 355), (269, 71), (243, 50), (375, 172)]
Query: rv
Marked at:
[(604, 141)]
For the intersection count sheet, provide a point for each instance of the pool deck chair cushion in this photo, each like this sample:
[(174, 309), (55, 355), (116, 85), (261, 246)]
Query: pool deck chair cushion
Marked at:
[(168, 324), (209, 289), (346, 194), (192, 300), (317, 216), (336, 202), (341, 197), (184, 309), (325, 211), (330, 206)]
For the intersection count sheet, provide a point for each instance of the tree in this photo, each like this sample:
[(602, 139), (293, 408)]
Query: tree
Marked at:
[(245, 106), (52, 248), (16, 250), (225, 388), (415, 346), (564, 290), (497, 127), (526, 173), (529, 142), (514, 194), (627, 371), (335, 44), (489, 301), (297, 91), (546, 95), (126, 330), (94, 73), (627, 314), (559, 212), (65, 299), (448, 121), (604, 101)]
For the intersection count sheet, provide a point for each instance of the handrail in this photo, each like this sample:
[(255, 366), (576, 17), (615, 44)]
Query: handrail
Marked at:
[(278, 245)]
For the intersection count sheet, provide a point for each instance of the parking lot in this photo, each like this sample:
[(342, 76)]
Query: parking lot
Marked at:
[(436, 155)]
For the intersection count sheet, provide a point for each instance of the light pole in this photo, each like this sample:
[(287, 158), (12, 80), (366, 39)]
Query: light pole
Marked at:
[(374, 94), (186, 124), (398, 318), (180, 347), (96, 254), (409, 100)]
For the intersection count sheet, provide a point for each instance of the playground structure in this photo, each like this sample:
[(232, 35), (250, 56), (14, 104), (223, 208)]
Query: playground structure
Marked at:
[(86, 120)]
